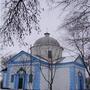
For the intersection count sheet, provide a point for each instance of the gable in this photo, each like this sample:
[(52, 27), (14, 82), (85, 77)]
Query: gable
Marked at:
[(79, 61), (76, 60), (23, 56), (68, 59), (20, 57)]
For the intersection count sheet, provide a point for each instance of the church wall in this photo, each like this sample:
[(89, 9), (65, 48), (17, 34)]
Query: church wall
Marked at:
[(44, 78), (5, 78), (82, 70), (43, 51), (36, 77), (13, 70), (61, 79), (66, 75), (74, 77)]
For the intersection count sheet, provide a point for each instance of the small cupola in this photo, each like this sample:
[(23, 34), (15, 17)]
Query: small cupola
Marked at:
[(47, 34)]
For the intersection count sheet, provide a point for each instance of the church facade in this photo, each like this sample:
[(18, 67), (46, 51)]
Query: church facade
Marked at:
[(45, 64)]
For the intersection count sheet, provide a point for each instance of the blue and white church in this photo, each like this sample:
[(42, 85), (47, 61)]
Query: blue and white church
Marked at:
[(43, 67)]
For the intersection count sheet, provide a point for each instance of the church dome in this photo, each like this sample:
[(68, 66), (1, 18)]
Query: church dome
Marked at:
[(46, 45), (47, 40)]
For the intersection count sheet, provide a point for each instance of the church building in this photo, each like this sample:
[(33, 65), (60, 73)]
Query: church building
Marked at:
[(44, 68)]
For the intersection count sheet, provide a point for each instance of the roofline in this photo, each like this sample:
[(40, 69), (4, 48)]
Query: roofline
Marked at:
[(47, 45)]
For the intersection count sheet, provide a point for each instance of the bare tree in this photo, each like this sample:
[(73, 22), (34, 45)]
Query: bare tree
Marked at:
[(51, 73), (79, 29), (21, 17), (51, 67), (77, 22)]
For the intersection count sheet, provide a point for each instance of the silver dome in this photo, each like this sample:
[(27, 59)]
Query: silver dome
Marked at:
[(47, 44), (47, 40)]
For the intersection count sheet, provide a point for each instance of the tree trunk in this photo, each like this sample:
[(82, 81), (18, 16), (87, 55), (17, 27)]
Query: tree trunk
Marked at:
[(51, 86)]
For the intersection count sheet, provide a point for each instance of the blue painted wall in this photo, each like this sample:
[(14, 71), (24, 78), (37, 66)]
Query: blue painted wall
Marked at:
[(5, 80), (36, 82), (16, 78), (26, 80), (72, 78), (80, 82)]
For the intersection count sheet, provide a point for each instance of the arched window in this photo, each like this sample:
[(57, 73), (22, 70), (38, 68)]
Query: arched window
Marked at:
[(31, 78), (21, 71), (80, 81), (49, 54), (12, 78), (21, 81)]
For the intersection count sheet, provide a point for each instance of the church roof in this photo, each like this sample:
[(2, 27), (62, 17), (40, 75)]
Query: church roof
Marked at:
[(21, 53), (61, 61), (47, 40), (69, 59)]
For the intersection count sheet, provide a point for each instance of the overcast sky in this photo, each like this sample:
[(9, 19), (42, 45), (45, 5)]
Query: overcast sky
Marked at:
[(49, 22)]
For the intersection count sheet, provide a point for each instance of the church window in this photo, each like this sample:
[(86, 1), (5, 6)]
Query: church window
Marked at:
[(21, 71), (49, 54), (80, 80), (30, 78), (12, 78)]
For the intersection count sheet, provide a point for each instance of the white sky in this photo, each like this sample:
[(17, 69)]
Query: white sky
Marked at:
[(50, 20)]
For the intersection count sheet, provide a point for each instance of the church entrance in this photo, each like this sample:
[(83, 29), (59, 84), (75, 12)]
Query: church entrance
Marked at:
[(20, 83), (21, 79)]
